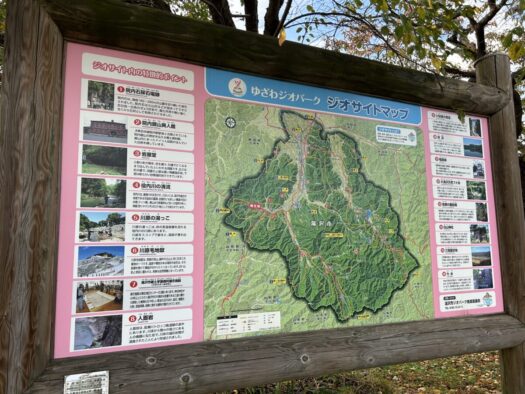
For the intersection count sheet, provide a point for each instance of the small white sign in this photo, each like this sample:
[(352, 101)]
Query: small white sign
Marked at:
[(87, 383), (396, 135), (249, 322)]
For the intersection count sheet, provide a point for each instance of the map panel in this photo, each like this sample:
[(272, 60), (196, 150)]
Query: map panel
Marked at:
[(311, 219)]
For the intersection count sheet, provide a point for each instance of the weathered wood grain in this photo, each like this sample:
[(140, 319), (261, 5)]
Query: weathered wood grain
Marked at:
[(494, 70), (31, 97), (116, 24), (218, 365)]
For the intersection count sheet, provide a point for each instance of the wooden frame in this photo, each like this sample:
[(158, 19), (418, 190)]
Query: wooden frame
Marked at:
[(29, 163)]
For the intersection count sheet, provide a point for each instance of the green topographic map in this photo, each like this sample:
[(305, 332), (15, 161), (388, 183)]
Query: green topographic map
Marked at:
[(307, 214), (335, 229)]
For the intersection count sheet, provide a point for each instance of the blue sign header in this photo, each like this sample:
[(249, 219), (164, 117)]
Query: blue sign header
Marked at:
[(269, 91)]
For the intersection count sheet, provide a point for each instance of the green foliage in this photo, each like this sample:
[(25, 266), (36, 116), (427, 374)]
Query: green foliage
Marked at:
[(105, 156), (85, 223), (425, 34), (102, 91), (116, 218), (94, 187), (195, 9), (120, 190)]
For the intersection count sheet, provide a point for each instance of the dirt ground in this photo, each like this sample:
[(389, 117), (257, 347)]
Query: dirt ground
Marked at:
[(468, 374)]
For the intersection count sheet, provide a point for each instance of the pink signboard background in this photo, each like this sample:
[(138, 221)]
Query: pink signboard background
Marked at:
[(69, 197), (69, 211), (498, 306)]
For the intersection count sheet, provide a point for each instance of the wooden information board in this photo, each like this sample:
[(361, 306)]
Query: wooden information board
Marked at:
[(224, 218)]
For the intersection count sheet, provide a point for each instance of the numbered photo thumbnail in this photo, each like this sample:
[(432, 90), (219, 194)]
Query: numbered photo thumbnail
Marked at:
[(483, 278), (481, 212), (93, 261), (101, 95), (475, 127), (479, 233), (478, 169), (97, 331), (99, 296), (104, 160), (97, 226), (481, 256), (472, 147), (97, 126), (102, 193), (476, 190)]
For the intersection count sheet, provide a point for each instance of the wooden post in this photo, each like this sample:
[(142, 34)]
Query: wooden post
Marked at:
[(494, 70), (29, 163)]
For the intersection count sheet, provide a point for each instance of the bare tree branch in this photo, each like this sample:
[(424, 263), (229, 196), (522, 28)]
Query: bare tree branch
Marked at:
[(478, 27), (285, 15), (460, 73), (220, 12), (271, 19), (467, 46), (252, 19), (494, 9)]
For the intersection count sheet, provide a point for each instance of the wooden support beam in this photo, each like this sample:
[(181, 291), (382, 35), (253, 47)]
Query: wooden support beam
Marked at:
[(221, 365), (494, 70), (116, 24), (29, 162)]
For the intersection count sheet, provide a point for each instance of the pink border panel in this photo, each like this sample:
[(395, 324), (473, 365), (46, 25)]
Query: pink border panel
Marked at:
[(69, 211), (496, 271), (68, 198)]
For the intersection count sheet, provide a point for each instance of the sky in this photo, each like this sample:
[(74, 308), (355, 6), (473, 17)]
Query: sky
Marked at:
[(87, 251), (98, 216), (291, 34)]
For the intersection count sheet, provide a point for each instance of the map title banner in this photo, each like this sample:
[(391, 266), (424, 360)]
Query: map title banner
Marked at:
[(264, 90)]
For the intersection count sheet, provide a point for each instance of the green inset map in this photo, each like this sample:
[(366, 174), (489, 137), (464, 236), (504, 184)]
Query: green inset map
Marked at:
[(309, 216)]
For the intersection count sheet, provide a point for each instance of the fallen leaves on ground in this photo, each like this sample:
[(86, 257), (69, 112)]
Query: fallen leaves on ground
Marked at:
[(467, 374)]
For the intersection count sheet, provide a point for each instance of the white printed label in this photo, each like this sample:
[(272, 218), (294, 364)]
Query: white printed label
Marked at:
[(458, 167), (116, 260), (396, 135), (137, 100), (447, 122), (464, 256), (87, 383), (135, 71), (460, 211), (465, 301), (251, 322), (158, 292), (156, 326), (454, 257), (159, 259), (159, 227), (178, 196), (465, 279), (151, 163), (458, 189), (135, 130)]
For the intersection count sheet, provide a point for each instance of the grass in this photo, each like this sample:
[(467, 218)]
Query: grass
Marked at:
[(88, 168), (467, 374), (90, 202)]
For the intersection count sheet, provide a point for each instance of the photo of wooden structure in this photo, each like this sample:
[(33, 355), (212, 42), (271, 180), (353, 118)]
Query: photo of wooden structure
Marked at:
[(29, 179), (111, 129)]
